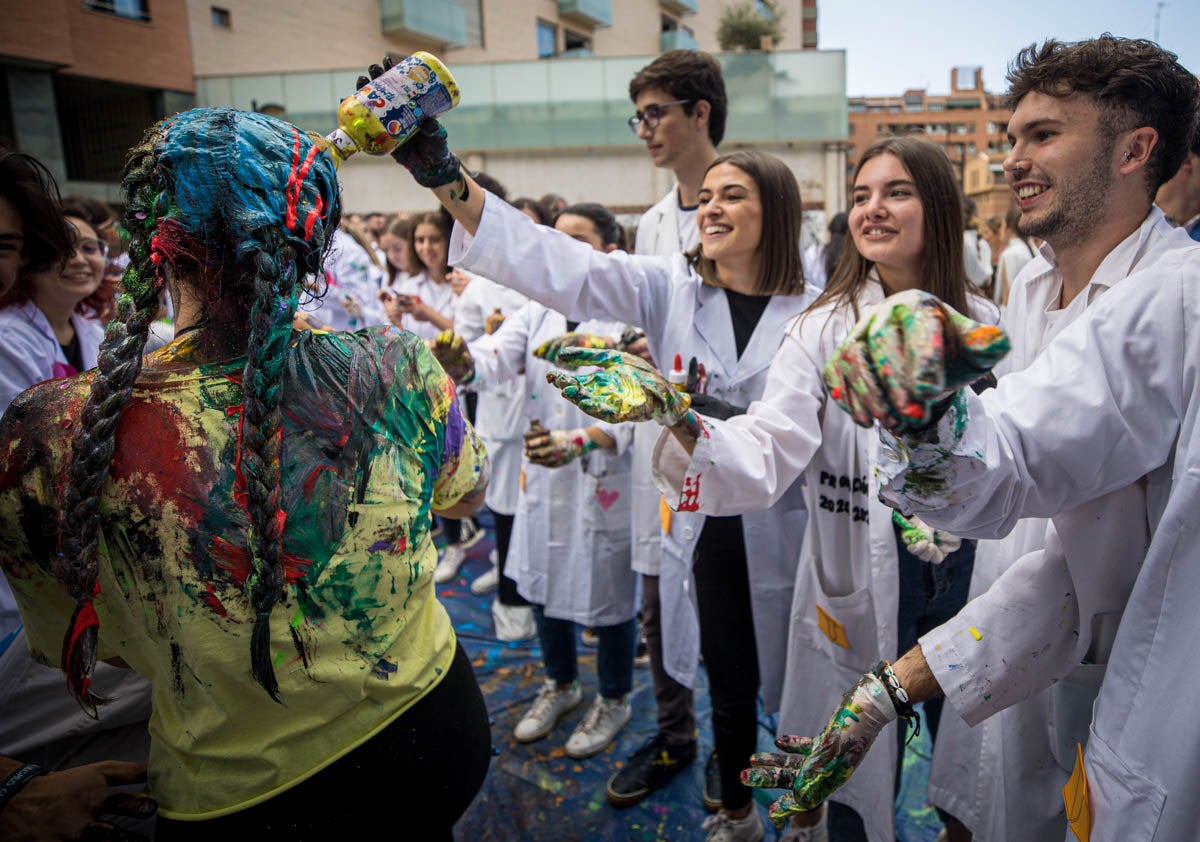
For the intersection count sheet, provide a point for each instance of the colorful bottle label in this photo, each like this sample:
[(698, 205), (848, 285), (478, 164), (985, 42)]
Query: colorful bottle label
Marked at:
[(390, 109)]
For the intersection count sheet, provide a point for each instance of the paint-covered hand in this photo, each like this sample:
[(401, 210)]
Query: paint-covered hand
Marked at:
[(633, 341), (555, 448), (814, 768), (551, 348), (923, 541), (426, 154), (626, 388), (452, 352), (906, 357)]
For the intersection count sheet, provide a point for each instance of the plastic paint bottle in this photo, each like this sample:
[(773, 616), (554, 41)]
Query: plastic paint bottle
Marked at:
[(677, 377), (390, 109)]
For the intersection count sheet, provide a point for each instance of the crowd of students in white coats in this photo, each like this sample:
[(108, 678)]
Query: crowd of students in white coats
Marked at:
[(1010, 550)]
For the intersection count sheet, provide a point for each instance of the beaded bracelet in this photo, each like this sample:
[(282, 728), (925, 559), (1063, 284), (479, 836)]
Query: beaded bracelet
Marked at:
[(17, 780), (904, 710)]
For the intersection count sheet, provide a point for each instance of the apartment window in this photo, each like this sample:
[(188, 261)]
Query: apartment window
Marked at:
[(970, 148), (131, 9), (547, 39), (575, 44), (221, 18), (936, 106), (856, 107)]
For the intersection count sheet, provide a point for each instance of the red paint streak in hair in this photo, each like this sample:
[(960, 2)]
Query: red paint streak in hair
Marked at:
[(295, 180), (235, 561)]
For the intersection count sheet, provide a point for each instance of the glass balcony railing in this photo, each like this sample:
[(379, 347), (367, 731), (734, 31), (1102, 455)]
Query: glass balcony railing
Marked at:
[(590, 13), (680, 7), (678, 39), (580, 102), (443, 23)]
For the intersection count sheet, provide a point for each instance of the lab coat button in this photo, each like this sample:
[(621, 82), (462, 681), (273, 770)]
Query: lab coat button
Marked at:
[(687, 533)]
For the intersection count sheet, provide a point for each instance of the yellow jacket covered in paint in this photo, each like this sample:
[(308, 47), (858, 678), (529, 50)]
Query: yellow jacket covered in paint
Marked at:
[(373, 438)]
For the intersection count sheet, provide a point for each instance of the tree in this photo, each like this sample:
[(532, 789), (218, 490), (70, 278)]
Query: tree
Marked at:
[(750, 25)]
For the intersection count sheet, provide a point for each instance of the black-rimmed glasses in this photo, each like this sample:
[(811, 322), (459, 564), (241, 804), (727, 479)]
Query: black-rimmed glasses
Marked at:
[(652, 114)]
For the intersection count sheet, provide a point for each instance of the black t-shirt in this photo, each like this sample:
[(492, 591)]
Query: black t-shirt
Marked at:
[(73, 352), (745, 310)]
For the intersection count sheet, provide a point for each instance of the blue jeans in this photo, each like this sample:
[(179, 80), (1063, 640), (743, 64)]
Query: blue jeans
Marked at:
[(930, 594), (614, 655)]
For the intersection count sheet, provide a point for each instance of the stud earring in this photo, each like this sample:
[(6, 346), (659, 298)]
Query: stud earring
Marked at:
[(1127, 156)]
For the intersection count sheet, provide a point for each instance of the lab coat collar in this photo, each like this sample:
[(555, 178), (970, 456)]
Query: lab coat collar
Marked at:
[(1117, 265), (715, 326)]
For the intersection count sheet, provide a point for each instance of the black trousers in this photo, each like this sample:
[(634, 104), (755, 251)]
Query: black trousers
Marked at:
[(729, 649), (508, 588), (417, 776)]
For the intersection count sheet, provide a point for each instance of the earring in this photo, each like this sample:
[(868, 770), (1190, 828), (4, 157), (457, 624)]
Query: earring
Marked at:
[(1127, 157)]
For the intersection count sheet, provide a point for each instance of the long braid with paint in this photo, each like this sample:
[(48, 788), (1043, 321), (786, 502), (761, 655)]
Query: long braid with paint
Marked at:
[(258, 455), (118, 365), (243, 243)]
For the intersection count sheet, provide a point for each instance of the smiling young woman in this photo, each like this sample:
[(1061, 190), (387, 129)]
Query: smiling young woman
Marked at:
[(726, 303), (52, 320)]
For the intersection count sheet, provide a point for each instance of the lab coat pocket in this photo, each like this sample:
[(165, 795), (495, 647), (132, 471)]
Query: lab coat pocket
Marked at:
[(1123, 804), (1071, 701), (844, 626)]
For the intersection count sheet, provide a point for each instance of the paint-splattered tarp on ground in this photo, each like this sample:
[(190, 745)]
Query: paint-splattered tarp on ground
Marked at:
[(536, 792)]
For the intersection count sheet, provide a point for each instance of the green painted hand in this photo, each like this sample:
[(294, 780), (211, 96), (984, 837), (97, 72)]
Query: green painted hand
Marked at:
[(923, 541), (905, 357), (627, 388), (551, 348), (814, 768)]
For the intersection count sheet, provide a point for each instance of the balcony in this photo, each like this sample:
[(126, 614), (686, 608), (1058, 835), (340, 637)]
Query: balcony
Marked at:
[(436, 25), (589, 13), (679, 7), (678, 39)]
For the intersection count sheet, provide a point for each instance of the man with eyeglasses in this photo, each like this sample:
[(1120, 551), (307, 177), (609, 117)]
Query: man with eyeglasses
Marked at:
[(681, 106)]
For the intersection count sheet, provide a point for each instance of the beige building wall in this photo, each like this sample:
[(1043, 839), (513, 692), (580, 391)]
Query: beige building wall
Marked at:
[(320, 38)]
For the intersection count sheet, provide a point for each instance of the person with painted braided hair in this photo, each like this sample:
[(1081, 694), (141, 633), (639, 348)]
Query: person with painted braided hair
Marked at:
[(243, 516)]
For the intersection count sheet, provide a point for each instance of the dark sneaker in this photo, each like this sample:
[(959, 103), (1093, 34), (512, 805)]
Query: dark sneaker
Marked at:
[(647, 769), (641, 655), (712, 784)]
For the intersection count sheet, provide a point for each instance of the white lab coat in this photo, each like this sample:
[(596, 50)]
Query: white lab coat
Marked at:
[(680, 315), (440, 297), (1003, 777), (350, 275), (570, 541), (1113, 399), (658, 233), (500, 413), (848, 561)]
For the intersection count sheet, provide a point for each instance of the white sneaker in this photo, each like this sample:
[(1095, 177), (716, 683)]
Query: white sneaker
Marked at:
[(551, 705), (513, 622), (486, 582), (721, 828), (470, 534), (819, 832), (450, 559), (600, 726)]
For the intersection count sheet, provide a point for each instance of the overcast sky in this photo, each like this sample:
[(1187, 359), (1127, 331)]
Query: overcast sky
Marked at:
[(892, 45)]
